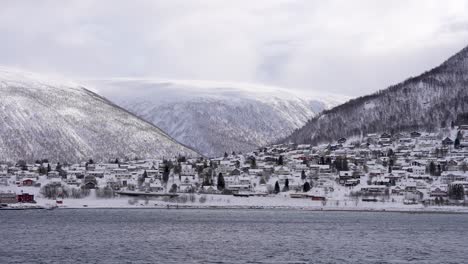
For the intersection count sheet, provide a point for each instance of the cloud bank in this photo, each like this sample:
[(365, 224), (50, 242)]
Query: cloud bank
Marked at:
[(346, 47)]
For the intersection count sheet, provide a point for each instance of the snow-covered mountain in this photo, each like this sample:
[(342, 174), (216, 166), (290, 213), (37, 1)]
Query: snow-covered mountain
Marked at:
[(60, 120), (428, 102), (216, 117)]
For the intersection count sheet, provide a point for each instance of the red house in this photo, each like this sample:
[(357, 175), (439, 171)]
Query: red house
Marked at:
[(28, 182), (317, 198), (25, 198)]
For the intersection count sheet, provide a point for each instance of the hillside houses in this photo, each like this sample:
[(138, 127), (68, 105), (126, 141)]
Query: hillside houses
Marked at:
[(415, 167)]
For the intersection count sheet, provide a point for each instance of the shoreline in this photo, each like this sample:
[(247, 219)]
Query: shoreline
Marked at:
[(215, 202), (284, 208)]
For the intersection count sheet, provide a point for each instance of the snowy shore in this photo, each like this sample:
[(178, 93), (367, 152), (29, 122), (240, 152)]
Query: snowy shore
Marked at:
[(280, 201), (225, 202)]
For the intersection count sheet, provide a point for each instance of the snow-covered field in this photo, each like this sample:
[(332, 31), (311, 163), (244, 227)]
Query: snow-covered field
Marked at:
[(211, 201)]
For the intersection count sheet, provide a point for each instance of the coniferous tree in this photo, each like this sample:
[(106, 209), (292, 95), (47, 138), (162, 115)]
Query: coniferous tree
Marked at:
[(221, 184), (286, 185), (63, 173), (439, 170), (345, 164), (177, 169), (456, 192), (432, 169), (277, 187), (456, 144), (42, 170), (206, 181), (141, 180), (464, 166), (166, 173), (173, 188), (306, 187), (303, 175), (280, 160), (390, 153), (23, 165), (253, 162)]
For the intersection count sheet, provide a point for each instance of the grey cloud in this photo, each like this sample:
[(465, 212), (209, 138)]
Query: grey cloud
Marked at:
[(337, 46)]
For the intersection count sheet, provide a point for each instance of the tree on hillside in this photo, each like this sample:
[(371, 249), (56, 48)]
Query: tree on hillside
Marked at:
[(177, 169), (42, 170), (221, 184), (306, 187), (277, 187), (341, 164), (253, 162), (390, 153), (166, 173), (456, 192), (286, 185), (22, 164), (173, 188), (280, 160), (456, 144), (142, 178), (464, 166), (303, 175), (432, 169), (63, 173)]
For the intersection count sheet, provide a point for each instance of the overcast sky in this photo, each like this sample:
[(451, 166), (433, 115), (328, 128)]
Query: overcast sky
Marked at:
[(345, 47)]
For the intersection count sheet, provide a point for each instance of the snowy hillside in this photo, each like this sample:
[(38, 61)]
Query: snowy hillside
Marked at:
[(60, 120), (427, 102), (214, 117)]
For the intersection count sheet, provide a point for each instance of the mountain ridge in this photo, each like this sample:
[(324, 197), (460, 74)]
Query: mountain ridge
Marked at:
[(428, 101), (214, 117), (63, 120)]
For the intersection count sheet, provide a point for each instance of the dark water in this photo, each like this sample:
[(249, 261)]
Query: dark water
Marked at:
[(232, 236)]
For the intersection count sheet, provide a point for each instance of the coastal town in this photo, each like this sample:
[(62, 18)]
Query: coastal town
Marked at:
[(412, 170)]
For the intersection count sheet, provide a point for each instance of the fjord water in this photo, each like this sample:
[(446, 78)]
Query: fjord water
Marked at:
[(230, 236)]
